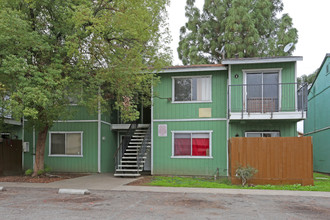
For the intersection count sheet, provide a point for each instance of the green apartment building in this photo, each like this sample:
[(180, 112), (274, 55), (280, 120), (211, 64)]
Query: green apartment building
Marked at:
[(317, 123), (195, 110)]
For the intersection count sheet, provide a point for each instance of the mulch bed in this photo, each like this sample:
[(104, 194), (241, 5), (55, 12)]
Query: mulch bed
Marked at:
[(40, 179)]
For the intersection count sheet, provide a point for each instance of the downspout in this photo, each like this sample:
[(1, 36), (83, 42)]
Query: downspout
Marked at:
[(228, 103), (295, 87), (99, 134), (34, 146), (152, 128), (23, 143)]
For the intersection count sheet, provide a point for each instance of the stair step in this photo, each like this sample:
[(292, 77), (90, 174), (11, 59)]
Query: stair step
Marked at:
[(133, 154), (131, 161), (136, 147), (132, 158), (127, 174), (135, 143), (130, 165), (132, 150), (129, 170)]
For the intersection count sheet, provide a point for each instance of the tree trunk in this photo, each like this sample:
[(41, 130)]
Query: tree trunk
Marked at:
[(40, 151)]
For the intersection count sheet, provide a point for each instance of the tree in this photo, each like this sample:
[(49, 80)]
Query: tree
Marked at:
[(247, 28), (99, 52), (309, 79)]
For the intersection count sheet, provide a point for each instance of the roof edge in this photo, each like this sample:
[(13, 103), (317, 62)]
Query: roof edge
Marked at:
[(194, 68), (262, 60), (317, 74)]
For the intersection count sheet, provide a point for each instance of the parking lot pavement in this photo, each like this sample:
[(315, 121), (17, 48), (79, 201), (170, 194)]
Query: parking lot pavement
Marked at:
[(33, 203)]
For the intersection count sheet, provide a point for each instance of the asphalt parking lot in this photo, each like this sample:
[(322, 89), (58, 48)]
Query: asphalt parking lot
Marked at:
[(34, 203)]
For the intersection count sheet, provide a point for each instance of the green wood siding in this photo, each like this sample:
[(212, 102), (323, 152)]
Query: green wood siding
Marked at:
[(80, 113), (162, 150), (164, 109), (28, 156), (108, 148), (87, 163), (287, 91), (286, 128), (318, 119)]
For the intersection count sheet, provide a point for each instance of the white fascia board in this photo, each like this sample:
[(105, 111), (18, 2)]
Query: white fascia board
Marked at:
[(263, 60), (268, 116), (199, 69), (12, 122)]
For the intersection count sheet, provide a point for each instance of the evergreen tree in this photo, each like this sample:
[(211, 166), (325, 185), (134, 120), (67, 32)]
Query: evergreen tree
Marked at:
[(309, 79), (247, 28)]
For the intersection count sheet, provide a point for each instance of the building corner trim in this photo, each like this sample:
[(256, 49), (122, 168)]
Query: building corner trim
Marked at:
[(99, 137)]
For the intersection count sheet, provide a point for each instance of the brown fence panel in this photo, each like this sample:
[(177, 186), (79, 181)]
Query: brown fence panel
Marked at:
[(279, 160)]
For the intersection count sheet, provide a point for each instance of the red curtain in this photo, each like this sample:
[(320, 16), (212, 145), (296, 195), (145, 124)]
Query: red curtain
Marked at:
[(200, 147), (182, 147)]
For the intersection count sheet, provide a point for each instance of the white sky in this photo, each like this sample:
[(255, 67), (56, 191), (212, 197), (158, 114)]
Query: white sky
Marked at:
[(309, 17)]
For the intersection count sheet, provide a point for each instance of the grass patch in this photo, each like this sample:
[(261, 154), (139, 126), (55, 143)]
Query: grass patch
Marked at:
[(321, 181)]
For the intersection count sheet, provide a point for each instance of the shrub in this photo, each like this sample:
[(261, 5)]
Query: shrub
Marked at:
[(40, 172), (28, 172), (47, 169), (245, 173)]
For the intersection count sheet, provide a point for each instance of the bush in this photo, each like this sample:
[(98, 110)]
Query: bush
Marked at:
[(28, 172), (245, 173), (47, 169), (40, 172)]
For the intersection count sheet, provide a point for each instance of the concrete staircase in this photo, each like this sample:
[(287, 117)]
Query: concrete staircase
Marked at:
[(133, 159)]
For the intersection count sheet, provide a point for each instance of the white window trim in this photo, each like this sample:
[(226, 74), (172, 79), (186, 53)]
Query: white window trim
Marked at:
[(184, 77), (246, 71), (263, 132), (193, 132), (65, 132)]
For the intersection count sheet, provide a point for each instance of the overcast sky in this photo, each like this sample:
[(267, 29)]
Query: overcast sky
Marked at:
[(309, 17)]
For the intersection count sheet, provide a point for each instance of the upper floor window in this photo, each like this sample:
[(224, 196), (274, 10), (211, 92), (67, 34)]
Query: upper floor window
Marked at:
[(263, 90), (192, 89), (263, 134)]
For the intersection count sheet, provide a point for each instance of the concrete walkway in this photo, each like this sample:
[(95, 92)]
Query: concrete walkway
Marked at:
[(104, 181), (107, 181)]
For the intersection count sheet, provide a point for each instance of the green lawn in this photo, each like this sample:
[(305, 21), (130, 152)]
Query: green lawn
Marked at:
[(321, 181)]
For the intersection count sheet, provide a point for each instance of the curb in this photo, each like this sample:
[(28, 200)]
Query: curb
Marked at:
[(74, 191)]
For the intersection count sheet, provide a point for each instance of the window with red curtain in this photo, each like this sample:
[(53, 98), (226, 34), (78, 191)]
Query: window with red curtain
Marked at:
[(200, 145), (182, 144), (191, 144)]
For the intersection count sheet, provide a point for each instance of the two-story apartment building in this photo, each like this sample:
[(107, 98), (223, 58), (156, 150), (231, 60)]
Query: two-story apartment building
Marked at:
[(195, 110)]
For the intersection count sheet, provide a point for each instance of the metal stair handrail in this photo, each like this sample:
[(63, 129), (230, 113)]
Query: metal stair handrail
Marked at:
[(124, 143), (143, 149)]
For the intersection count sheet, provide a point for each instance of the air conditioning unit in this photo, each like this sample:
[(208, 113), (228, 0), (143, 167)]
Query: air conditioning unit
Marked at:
[(26, 146)]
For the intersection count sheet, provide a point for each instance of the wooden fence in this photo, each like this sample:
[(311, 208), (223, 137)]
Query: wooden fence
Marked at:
[(10, 156), (279, 160)]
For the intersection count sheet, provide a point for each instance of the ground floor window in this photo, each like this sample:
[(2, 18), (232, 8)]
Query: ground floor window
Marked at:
[(65, 143), (262, 134), (191, 144)]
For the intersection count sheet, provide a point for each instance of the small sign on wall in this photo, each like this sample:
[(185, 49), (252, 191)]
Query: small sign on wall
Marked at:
[(205, 112), (162, 130)]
